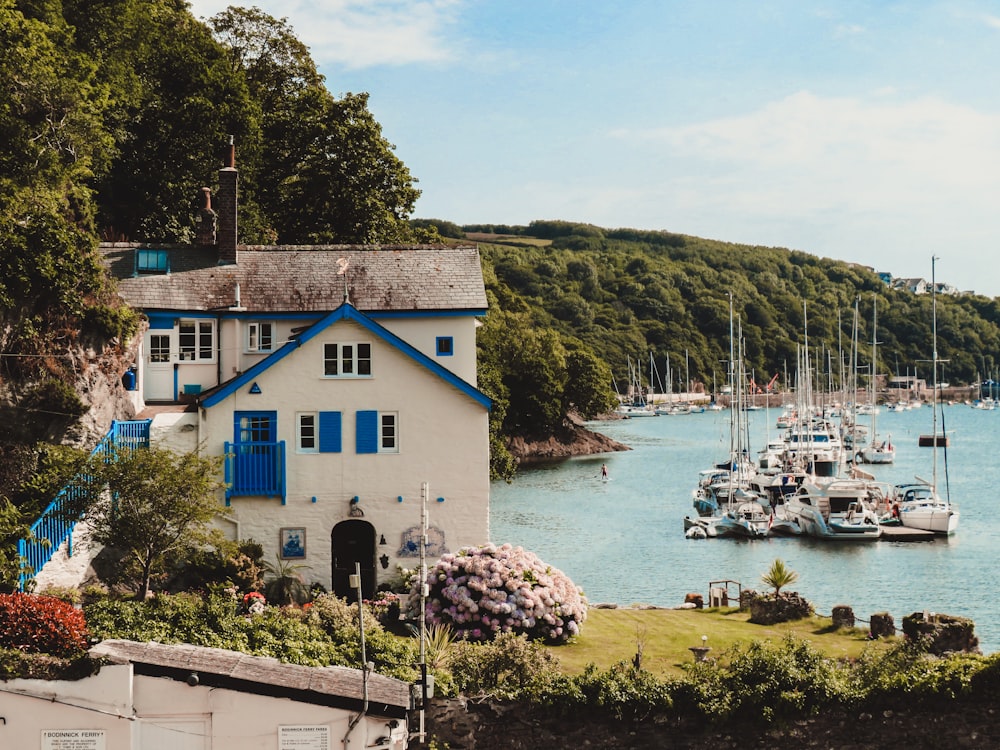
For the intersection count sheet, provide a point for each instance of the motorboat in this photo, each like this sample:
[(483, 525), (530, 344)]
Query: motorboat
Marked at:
[(838, 509)]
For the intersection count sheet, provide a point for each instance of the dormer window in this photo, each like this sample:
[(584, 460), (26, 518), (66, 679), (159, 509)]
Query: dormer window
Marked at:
[(151, 261), (260, 336)]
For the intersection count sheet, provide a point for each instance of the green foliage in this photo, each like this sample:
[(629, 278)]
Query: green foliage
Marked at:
[(159, 502), (907, 672), (13, 526), (623, 692), (668, 294), (440, 227), (763, 682), (41, 624), (111, 323), (55, 397), (509, 667), (224, 563)]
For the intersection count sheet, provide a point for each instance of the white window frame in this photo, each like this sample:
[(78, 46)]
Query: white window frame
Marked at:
[(388, 432), (157, 355), (257, 332), (200, 351), (347, 355), (302, 436)]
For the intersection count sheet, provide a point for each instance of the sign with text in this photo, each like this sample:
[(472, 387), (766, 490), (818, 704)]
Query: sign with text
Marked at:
[(73, 739), (304, 737)]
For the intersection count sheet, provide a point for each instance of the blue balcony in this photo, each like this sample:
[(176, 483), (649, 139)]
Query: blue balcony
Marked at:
[(255, 469)]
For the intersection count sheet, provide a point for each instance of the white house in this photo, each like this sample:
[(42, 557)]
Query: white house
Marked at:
[(338, 381), (180, 697)]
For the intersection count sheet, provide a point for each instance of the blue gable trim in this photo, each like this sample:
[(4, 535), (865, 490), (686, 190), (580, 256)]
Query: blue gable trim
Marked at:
[(345, 312)]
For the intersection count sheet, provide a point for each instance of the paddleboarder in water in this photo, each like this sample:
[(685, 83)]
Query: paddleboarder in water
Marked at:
[(604, 471)]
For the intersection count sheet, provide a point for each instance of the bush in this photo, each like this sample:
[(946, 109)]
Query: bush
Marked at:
[(510, 667), (56, 396), (41, 624), (624, 692), (483, 591)]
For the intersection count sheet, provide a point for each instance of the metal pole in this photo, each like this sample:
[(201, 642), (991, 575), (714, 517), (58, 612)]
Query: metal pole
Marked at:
[(424, 592)]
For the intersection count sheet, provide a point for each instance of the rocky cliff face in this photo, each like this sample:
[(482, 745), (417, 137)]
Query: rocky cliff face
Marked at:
[(96, 378), (572, 439)]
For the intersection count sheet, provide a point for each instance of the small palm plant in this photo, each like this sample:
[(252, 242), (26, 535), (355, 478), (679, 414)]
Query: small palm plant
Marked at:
[(285, 585), (439, 639), (779, 576)]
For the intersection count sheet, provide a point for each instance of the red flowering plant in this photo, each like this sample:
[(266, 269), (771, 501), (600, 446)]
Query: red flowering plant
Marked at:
[(42, 624), (253, 603)]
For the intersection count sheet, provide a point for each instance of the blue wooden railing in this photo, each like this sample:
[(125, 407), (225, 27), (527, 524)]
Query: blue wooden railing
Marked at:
[(55, 525), (255, 468)]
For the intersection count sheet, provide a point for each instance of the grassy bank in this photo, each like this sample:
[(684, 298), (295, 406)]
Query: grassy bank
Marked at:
[(666, 635)]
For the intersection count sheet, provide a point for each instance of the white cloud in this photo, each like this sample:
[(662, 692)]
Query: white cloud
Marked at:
[(848, 29), (818, 153), (363, 33)]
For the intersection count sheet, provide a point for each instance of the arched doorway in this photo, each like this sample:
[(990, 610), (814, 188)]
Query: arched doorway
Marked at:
[(353, 541)]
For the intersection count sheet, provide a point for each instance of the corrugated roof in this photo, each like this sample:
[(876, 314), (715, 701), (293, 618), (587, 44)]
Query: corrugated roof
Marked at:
[(299, 279)]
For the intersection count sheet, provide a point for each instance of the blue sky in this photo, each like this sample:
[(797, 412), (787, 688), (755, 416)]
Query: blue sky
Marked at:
[(863, 131)]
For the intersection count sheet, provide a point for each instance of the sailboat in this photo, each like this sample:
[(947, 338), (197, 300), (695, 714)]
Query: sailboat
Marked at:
[(636, 405), (876, 452), (919, 505)]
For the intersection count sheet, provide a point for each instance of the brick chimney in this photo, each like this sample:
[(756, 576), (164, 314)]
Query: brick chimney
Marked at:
[(227, 208), (205, 233)]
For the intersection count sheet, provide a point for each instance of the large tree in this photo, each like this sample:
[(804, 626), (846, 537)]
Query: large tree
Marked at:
[(174, 101), (150, 503), (327, 174)]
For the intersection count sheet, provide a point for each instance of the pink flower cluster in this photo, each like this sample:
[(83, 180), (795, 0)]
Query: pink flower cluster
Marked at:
[(482, 591)]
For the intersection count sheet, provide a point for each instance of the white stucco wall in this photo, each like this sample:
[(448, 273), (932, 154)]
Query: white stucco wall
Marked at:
[(155, 713), (443, 439)]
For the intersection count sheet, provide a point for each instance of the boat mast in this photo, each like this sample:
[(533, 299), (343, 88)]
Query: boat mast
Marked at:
[(934, 361)]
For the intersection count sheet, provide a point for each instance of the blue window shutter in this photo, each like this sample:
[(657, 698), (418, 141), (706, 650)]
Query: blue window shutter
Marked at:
[(329, 432), (367, 432)]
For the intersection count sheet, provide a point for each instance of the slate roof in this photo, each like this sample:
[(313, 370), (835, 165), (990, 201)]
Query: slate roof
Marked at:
[(297, 279), (216, 667)]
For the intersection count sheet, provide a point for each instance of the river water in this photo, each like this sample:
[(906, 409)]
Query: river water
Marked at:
[(623, 542)]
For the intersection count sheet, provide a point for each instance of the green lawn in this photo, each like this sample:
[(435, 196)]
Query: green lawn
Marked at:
[(611, 635)]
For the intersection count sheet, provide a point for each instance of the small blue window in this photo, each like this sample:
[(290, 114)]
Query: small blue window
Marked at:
[(152, 261), (445, 346)]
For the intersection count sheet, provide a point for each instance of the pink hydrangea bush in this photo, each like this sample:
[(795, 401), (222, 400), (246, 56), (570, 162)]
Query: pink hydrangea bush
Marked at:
[(480, 592)]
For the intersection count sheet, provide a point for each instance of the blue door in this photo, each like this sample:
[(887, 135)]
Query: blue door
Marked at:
[(256, 468)]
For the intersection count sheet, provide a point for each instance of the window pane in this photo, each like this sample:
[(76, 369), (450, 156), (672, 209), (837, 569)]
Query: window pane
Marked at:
[(307, 432), (330, 359), (364, 359), (186, 340), (347, 358), (159, 348), (206, 341), (388, 431)]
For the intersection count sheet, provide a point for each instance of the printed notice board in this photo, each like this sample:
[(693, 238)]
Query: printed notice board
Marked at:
[(304, 737), (73, 739)]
